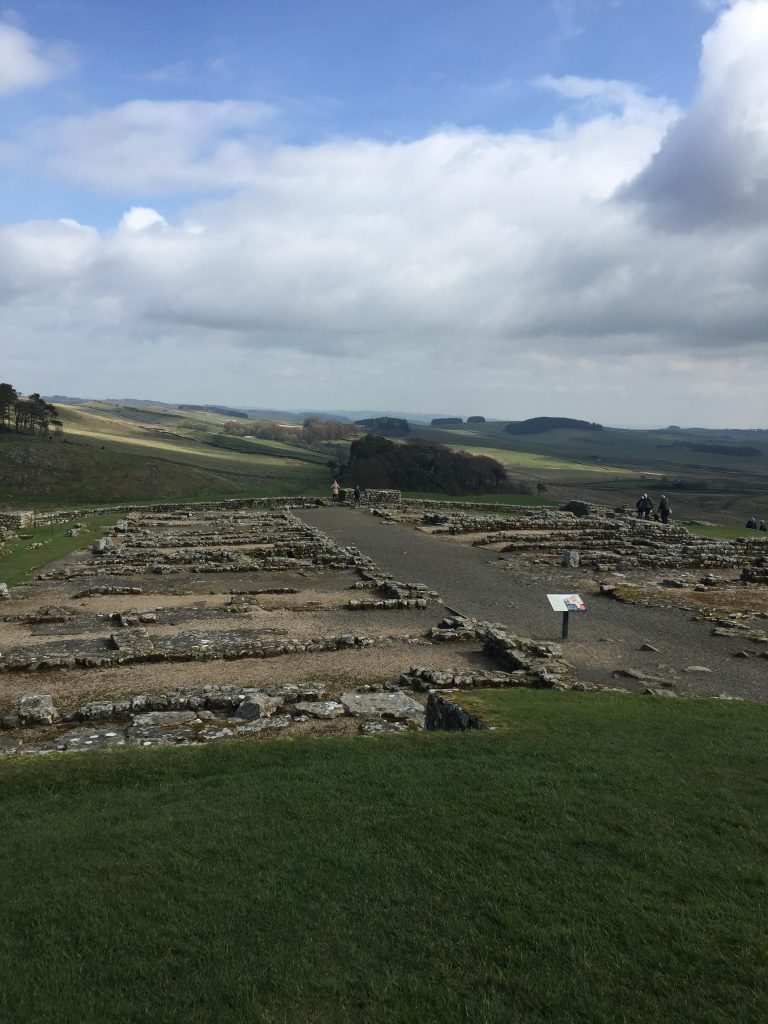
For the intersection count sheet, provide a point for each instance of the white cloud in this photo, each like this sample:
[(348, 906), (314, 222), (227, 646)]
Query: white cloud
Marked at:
[(599, 91), (146, 145), (26, 63), (494, 273), (141, 218)]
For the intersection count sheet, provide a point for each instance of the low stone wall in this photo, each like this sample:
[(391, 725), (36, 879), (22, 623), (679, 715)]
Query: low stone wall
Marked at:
[(211, 714), (28, 519), (442, 714), (17, 520)]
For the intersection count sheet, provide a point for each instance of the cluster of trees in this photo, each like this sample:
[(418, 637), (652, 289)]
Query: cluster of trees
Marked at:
[(222, 410), (389, 426), (26, 414), (314, 430), (541, 424), (421, 466), (741, 450)]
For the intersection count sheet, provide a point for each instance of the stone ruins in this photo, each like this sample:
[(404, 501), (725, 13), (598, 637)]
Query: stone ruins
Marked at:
[(192, 624), (201, 623)]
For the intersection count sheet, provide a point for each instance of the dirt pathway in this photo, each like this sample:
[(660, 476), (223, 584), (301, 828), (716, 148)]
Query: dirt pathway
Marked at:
[(606, 639)]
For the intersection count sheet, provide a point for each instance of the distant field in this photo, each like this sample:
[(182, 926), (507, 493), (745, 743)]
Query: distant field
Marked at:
[(115, 452), (529, 460), (595, 859)]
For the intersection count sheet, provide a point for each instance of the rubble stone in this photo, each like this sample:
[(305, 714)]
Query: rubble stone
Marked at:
[(36, 709)]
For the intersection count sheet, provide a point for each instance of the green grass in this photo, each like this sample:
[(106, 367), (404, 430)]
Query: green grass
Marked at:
[(725, 532), (597, 859), (512, 459), (19, 560), (486, 499), (111, 468)]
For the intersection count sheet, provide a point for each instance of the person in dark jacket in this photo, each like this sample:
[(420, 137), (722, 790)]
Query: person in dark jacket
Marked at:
[(665, 509), (357, 494), (752, 523)]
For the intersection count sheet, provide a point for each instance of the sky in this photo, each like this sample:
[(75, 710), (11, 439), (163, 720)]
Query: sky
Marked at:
[(547, 207)]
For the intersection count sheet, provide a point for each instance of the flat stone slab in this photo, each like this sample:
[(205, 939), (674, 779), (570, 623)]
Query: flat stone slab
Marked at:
[(397, 707), (263, 725), (165, 719), (378, 727), (320, 708), (87, 738)]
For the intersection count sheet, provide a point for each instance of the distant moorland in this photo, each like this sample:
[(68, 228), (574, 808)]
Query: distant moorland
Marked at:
[(144, 451)]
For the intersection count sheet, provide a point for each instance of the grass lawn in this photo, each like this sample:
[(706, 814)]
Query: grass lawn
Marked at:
[(725, 532), (19, 560), (597, 859), (486, 499)]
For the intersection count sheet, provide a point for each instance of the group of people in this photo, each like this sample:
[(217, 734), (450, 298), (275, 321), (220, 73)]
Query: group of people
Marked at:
[(646, 510), (339, 494), (753, 523)]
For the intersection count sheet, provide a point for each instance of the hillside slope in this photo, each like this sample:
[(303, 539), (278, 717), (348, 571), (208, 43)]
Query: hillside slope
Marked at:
[(106, 457)]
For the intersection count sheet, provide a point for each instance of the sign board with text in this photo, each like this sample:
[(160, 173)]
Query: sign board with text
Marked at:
[(566, 603)]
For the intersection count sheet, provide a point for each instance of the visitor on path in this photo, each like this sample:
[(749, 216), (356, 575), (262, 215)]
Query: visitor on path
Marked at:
[(665, 509), (644, 507), (335, 488), (752, 523), (357, 494)]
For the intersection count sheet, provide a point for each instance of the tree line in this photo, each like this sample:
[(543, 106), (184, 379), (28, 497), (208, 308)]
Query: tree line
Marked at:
[(314, 430), (423, 466), (27, 414)]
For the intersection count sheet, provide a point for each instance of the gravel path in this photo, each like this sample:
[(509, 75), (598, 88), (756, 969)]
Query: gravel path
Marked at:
[(608, 638)]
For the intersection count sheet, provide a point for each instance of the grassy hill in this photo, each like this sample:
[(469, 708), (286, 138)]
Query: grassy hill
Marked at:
[(116, 451), (112, 453), (595, 859), (717, 474)]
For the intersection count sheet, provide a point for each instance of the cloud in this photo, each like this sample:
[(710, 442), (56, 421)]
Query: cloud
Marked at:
[(465, 268), (711, 169), (26, 63), (151, 146), (141, 218)]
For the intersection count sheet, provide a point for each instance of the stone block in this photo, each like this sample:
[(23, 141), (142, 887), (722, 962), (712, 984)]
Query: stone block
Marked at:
[(36, 709), (256, 704), (391, 706)]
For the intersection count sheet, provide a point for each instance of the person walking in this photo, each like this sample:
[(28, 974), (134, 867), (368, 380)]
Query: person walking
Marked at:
[(357, 494), (644, 507), (665, 509), (752, 523), (335, 488)]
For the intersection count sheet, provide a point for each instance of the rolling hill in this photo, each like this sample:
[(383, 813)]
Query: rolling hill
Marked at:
[(110, 452)]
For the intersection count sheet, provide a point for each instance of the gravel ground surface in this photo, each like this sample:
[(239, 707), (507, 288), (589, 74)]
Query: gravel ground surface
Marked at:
[(337, 670), (607, 639)]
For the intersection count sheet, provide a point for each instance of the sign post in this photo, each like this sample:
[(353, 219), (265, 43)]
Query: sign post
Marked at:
[(566, 603)]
